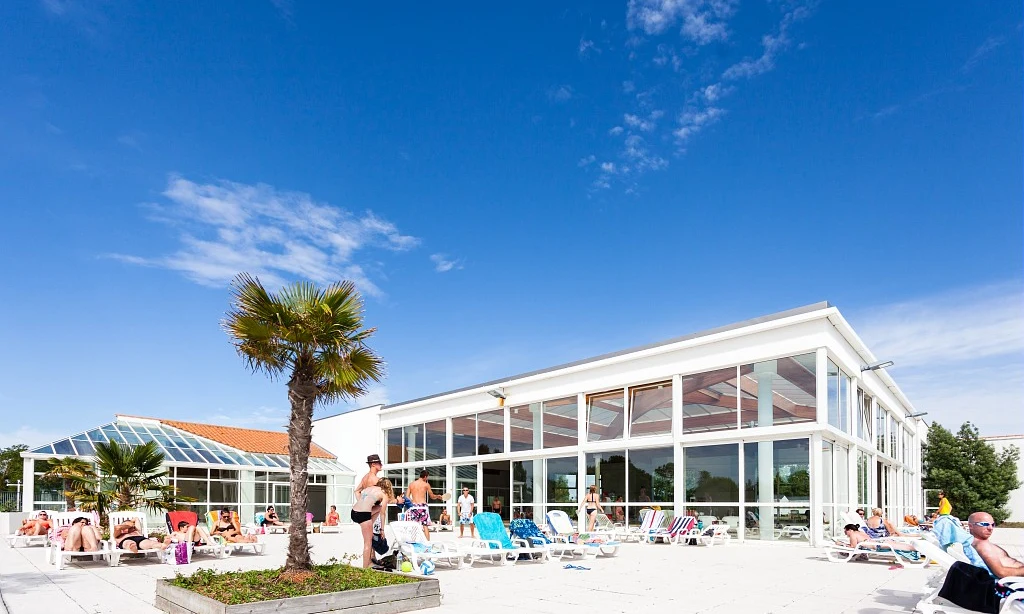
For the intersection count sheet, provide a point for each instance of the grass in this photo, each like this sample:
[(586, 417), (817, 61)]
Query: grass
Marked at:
[(237, 587)]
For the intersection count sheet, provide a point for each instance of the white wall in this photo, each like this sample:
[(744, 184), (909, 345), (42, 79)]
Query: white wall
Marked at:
[(1016, 503), (351, 436)]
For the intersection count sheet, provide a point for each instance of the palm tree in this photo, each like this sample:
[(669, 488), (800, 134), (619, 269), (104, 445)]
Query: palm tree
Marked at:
[(316, 337), (72, 472), (130, 477)]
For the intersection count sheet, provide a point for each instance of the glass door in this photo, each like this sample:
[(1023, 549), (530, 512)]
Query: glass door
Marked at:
[(497, 488), (281, 500), (466, 476)]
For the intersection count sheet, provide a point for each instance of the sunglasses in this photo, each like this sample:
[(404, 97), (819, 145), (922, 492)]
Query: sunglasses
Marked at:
[(987, 525)]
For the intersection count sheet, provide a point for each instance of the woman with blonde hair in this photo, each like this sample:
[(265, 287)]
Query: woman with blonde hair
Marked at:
[(592, 504), (877, 525), (367, 509)]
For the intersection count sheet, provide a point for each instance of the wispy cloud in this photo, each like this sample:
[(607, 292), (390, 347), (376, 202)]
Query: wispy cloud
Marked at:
[(586, 47), (700, 21), (586, 161), (692, 122), (561, 93), (990, 44), (226, 227), (771, 46), (959, 355), (443, 263), (132, 140), (29, 435)]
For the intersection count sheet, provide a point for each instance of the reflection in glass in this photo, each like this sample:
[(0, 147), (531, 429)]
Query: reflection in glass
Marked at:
[(394, 445), (650, 409), (490, 432), (838, 397), (781, 391), (522, 488), (863, 479), (712, 473), (608, 471), (524, 427), (464, 436), (413, 444), (777, 471), (710, 401), (652, 474), (561, 480), (560, 420), (605, 415), (435, 444)]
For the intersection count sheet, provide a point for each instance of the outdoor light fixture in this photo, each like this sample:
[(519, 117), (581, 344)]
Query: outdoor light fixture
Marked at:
[(497, 394), (877, 365), (917, 414)]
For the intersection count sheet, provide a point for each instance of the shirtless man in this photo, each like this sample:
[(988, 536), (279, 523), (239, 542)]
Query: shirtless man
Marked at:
[(370, 479), (418, 492), (999, 562)]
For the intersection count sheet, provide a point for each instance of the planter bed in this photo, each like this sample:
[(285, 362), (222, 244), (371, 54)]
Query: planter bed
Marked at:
[(261, 592)]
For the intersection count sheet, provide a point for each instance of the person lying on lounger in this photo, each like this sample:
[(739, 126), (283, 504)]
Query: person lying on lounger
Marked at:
[(128, 536), (191, 534), (35, 526), (227, 528), (860, 539), (878, 526), (271, 519), (82, 536)]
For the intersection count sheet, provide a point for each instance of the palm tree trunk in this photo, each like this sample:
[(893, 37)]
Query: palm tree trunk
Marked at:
[(302, 396), (69, 497)]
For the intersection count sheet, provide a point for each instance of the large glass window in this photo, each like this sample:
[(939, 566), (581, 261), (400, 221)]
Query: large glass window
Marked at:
[(838, 397), (779, 391), (524, 427), (413, 445), (561, 478), (436, 444), (880, 415), (523, 497), (607, 470), (394, 452), (605, 415), (650, 409), (710, 401), (894, 431), (712, 473), (777, 471), (560, 422), (863, 479), (490, 434), (464, 436), (863, 415), (652, 474)]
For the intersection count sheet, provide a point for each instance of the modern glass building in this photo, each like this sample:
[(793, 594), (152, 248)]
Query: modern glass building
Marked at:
[(774, 425), (217, 466)]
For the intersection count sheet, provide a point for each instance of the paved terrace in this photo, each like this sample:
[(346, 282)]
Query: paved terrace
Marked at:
[(749, 578)]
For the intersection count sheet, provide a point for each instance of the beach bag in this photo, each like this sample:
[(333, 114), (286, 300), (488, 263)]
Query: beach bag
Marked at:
[(380, 545), (179, 553), (970, 587)]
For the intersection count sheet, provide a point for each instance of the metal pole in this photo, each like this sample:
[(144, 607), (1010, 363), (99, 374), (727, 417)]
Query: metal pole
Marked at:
[(17, 496)]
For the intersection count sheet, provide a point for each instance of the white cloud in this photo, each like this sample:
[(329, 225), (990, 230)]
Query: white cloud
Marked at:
[(586, 161), (562, 93), (990, 44), (644, 124), (443, 264), (608, 167), (28, 434), (959, 355), (585, 47), (227, 227), (693, 121), (131, 139), (628, 86), (616, 130), (771, 46), (702, 21)]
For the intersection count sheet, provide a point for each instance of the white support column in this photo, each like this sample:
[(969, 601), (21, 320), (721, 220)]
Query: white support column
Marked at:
[(581, 457), (679, 477), (817, 467), (765, 373), (821, 384), (539, 479), (852, 484), (28, 485)]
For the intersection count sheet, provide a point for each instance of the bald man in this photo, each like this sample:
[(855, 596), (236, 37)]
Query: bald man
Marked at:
[(999, 562)]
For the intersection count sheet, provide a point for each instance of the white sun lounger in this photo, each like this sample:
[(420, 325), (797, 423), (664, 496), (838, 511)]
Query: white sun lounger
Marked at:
[(57, 555), (116, 518), (413, 545), (931, 603), (17, 541)]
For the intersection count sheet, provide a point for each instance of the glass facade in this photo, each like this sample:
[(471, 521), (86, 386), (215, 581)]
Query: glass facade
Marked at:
[(650, 410), (838, 397), (782, 391), (606, 415), (711, 401)]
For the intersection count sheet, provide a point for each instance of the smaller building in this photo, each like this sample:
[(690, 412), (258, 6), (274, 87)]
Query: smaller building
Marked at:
[(1016, 503), (216, 466)]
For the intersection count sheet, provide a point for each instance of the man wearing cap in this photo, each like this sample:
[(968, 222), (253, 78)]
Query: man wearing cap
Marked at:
[(370, 479)]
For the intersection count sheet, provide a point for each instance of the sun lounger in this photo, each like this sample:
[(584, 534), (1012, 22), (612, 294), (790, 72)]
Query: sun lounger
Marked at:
[(216, 548), (560, 544), (681, 530), (270, 528), (258, 546), (873, 550), (931, 603), (56, 553), (17, 541), (586, 544), (116, 518), (716, 533), (493, 541), (413, 545)]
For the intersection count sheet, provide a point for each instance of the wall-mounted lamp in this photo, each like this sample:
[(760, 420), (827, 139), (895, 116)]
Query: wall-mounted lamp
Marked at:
[(498, 395), (917, 414), (877, 365)]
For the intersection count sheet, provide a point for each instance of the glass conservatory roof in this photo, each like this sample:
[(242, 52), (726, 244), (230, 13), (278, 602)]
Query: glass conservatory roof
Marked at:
[(181, 446)]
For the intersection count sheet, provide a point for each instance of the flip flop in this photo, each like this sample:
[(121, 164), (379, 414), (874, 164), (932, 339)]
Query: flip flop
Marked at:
[(579, 567)]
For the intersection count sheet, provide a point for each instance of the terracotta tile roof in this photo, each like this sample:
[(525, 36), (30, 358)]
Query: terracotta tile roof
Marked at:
[(248, 440)]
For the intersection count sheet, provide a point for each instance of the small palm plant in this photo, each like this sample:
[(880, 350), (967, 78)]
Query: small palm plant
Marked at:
[(129, 478), (316, 337), (72, 472)]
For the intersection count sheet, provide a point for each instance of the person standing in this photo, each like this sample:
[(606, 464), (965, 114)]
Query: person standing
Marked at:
[(945, 507), (367, 512), (467, 505), (370, 479), (592, 505), (419, 492)]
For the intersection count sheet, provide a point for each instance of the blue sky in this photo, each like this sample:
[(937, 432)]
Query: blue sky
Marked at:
[(511, 187)]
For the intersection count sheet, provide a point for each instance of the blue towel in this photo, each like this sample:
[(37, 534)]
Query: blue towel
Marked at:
[(525, 528), (948, 530), (489, 526)]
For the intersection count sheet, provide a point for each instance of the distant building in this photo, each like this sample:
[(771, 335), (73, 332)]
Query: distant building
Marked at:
[(774, 426), (218, 466), (1016, 504)]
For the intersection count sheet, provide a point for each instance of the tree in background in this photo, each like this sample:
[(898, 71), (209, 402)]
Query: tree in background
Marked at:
[(129, 478), (316, 337), (11, 465), (72, 472), (973, 475)]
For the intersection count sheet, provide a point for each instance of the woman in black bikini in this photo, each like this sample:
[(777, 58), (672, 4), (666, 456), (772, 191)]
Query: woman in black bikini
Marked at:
[(271, 519), (367, 508), (593, 506), (128, 537), (226, 528)]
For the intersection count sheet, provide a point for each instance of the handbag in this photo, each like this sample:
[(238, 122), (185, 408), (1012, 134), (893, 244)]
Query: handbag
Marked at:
[(180, 553), (380, 545)]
